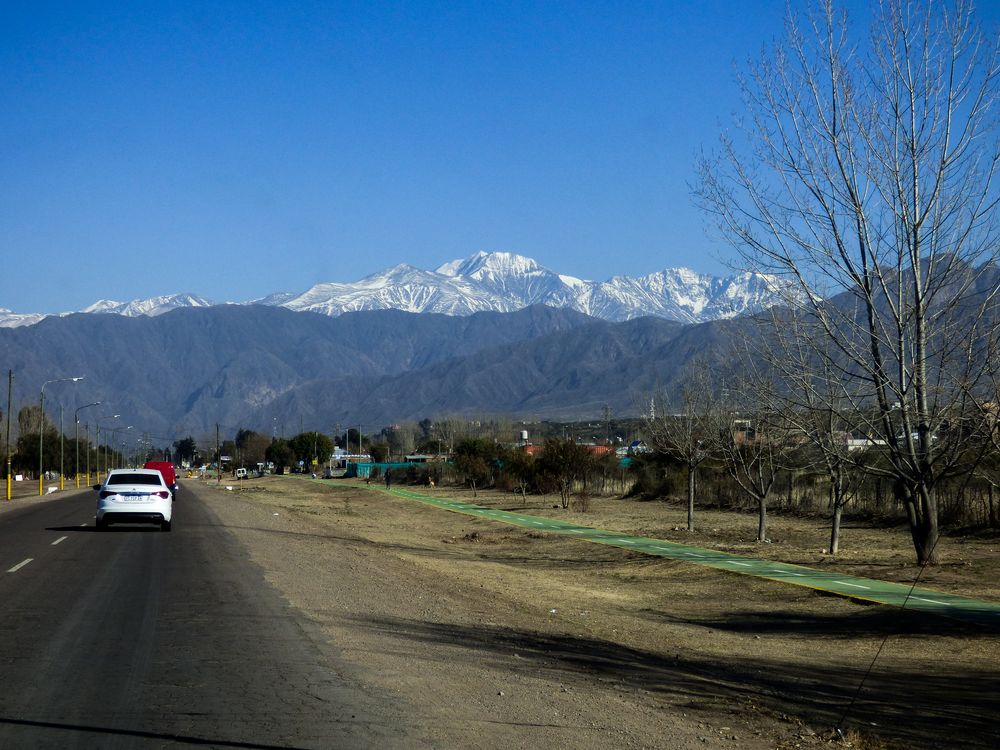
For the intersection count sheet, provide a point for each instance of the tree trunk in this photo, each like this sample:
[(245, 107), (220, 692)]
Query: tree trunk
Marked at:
[(927, 553), (691, 490), (762, 519), (921, 514), (838, 509)]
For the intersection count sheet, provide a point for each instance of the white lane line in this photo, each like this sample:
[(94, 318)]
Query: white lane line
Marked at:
[(665, 549), (624, 541), (60, 539), (83, 525), (792, 573), (693, 554), (20, 565), (855, 585), (736, 562), (930, 601)]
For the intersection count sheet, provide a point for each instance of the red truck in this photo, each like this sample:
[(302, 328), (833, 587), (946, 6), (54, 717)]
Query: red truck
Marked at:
[(169, 474)]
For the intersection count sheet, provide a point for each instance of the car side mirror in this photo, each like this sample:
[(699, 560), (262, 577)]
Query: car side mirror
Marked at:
[(97, 486)]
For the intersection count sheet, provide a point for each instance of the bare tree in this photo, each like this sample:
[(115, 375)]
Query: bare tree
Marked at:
[(754, 444), (802, 381), (686, 431), (565, 462), (865, 176)]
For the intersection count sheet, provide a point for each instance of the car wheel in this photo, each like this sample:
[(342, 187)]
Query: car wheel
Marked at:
[(101, 524), (165, 526)]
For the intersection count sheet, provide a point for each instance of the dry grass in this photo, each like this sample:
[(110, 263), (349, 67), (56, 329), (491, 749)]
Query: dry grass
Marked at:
[(771, 659)]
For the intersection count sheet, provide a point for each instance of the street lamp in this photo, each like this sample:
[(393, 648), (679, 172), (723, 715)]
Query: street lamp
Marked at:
[(114, 434), (10, 385), (76, 439), (41, 431), (97, 443)]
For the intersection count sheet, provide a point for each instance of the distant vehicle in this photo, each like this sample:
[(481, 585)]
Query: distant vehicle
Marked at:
[(242, 473), (134, 496), (169, 474)]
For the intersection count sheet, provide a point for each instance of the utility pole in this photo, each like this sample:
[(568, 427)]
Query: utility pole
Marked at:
[(88, 453), (62, 484), (10, 385), (218, 452)]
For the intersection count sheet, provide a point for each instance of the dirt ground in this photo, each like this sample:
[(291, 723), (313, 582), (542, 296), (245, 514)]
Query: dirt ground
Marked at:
[(497, 636)]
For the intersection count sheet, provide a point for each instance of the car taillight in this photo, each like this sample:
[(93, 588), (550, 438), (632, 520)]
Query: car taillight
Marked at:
[(162, 493), (106, 493)]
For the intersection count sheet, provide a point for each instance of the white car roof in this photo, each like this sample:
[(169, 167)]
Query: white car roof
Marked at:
[(113, 472)]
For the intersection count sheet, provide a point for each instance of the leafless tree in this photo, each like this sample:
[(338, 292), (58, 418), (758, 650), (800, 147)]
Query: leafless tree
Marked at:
[(864, 175), (755, 443), (798, 376), (686, 429)]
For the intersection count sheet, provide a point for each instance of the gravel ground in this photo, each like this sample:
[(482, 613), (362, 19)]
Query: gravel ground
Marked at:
[(495, 636)]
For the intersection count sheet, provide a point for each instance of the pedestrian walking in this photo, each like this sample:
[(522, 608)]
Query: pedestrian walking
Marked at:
[(388, 478)]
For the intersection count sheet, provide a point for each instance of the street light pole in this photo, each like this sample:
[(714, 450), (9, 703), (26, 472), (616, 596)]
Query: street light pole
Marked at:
[(62, 484), (97, 445), (41, 431), (10, 385), (110, 444), (76, 439)]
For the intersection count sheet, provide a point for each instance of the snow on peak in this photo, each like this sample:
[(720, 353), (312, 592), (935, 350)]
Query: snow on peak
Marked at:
[(500, 282), (151, 306), (503, 282), (483, 263)]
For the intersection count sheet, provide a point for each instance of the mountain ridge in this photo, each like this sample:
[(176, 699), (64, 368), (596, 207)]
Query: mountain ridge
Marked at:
[(495, 282)]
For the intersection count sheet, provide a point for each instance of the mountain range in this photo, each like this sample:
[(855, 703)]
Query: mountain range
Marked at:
[(496, 282), (276, 370)]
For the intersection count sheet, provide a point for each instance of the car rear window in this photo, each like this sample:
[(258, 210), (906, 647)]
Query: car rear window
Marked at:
[(134, 479)]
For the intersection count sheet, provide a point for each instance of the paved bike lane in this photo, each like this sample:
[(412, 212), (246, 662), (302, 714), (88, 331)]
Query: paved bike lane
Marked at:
[(867, 589), (882, 592)]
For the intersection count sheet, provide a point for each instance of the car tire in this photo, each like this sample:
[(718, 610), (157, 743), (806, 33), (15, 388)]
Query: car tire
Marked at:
[(165, 526), (100, 524)]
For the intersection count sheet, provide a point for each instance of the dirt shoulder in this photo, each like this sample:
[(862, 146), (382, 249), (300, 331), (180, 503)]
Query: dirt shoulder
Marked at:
[(496, 636)]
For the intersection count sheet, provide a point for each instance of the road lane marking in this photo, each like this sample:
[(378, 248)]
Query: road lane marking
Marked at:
[(855, 585), (60, 539), (20, 565), (931, 601), (737, 562)]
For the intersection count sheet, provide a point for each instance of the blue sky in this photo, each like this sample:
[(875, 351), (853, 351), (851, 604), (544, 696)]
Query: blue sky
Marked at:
[(234, 149)]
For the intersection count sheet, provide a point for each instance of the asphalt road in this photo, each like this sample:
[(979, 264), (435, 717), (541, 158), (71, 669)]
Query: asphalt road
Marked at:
[(137, 638)]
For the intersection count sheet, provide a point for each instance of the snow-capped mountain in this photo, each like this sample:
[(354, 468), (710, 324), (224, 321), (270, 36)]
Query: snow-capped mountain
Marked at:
[(504, 282), (152, 306), (11, 319), (499, 282)]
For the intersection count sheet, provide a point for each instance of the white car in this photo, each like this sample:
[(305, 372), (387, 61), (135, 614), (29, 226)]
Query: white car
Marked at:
[(134, 496)]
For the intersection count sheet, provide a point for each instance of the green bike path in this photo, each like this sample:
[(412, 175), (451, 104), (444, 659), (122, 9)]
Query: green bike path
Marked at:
[(867, 589)]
